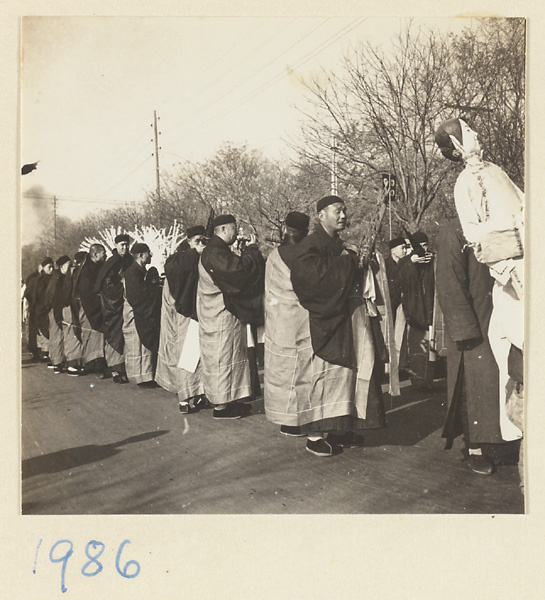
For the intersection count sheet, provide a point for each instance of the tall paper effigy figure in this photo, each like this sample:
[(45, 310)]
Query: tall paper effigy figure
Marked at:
[(491, 211)]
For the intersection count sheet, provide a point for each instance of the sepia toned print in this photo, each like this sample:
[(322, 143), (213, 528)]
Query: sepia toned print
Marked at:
[(303, 241)]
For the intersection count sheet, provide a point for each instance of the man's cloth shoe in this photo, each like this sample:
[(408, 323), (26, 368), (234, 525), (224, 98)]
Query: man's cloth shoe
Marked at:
[(119, 377), (201, 402), (57, 369), (75, 372), (291, 430), (234, 410), (185, 407), (480, 464), (148, 384), (349, 439), (322, 447)]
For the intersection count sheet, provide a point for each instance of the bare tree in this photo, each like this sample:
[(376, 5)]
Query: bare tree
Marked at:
[(488, 88), (383, 107)]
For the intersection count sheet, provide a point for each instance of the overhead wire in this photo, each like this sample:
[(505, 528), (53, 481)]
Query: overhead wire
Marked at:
[(300, 62), (215, 62), (236, 66), (112, 164), (126, 177), (130, 160)]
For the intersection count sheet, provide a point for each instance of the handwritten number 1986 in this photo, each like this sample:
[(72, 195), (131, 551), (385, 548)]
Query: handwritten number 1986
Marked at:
[(62, 550)]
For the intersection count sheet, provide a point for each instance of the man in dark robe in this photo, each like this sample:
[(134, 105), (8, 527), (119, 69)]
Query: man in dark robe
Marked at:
[(109, 286), (141, 317), (71, 327), (346, 393), (179, 323), (417, 280), (30, 295), (91, 320), (394, 264), (464, 288), (56, 296), (42, 309), (229, 298)]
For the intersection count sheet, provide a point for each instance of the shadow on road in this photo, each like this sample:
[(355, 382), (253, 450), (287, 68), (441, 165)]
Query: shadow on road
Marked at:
[(408, 425), (71, 458)]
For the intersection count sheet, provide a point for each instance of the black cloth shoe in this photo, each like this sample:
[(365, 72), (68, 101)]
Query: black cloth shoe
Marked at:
[(58, 369), (201, 403), (234, 410), (480, 464), (291, 430), (119, 377), (73, 371), (148, 384), (185, 407), (322, 447), (348, 439)]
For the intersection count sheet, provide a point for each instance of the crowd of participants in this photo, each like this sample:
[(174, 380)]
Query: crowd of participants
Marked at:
[(327, 319)]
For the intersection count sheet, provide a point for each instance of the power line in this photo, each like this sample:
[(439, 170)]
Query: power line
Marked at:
[(126, 177), (236, 66), (215, 62), (125, 164), (300, 62), (104, 173), (71, 199)]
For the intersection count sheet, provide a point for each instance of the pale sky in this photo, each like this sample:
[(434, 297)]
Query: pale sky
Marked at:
[(90, 86)]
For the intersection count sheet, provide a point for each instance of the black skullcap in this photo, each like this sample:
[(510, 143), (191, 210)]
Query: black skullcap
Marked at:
[(122, 237), (139, 248), (62, 260), (297, 220), (223, 220), (442, 139), (418, 237), (47, 261), (326, 201), (80, 255), (395, 242), (195, 230)]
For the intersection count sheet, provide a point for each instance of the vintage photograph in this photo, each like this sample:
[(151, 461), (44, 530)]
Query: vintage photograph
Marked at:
[(253, 243)]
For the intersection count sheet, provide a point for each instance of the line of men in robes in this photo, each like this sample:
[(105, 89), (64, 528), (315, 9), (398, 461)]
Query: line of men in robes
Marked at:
[(98, 315), (316, 304)]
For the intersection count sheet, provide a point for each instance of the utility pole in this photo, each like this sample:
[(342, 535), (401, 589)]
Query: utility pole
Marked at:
[(156, 155), (55, 222), (334, 166)]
